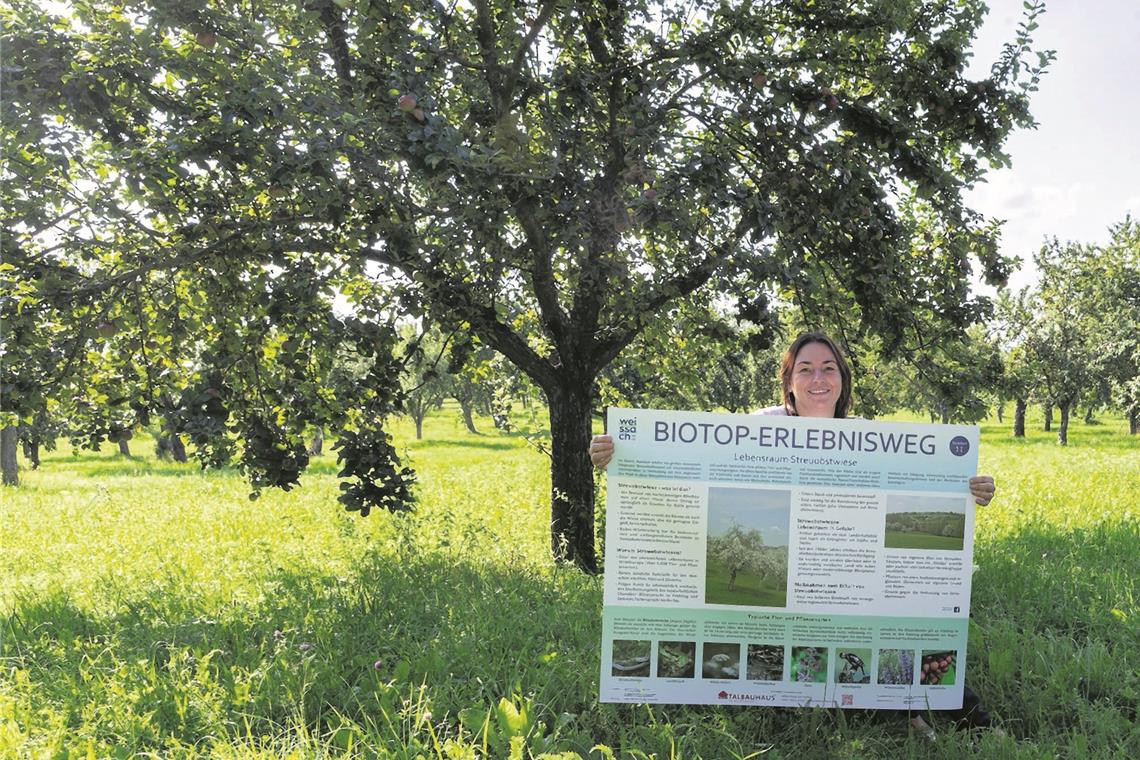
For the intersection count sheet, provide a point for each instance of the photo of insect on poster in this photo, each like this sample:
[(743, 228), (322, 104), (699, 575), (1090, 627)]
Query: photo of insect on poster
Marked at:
[(809, 664)]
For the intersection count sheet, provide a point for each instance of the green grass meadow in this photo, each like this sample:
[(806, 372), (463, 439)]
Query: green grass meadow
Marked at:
[(750, 588), (151, 610)]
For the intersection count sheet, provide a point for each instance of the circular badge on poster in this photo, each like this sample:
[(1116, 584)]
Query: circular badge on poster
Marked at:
[(959, 446)]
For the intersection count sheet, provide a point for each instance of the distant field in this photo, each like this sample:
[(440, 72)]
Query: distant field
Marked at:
[(899, 540), (151, 610)]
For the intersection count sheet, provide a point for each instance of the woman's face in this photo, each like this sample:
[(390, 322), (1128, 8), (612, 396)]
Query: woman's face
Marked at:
[(816, 382)]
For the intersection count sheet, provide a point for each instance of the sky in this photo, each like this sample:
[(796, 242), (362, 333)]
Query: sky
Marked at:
[(1076, 174), (765, 510)]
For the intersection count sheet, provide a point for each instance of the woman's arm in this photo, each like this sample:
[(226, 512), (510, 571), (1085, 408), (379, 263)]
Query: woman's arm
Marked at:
[(982, 488)]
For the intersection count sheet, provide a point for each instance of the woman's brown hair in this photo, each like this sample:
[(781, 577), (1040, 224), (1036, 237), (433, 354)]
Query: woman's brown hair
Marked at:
[(843, 404)]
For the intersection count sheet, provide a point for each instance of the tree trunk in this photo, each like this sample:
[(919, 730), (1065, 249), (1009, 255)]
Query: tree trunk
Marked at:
[(1048, 417), (177, 449), (1000, 413), (1019, 418), (124, 448), (32, 454), (419, 420), (945, 417), (9, 439), (1089, 416), (1133, 422), (468, 418), (571, 478), (1063, 430), (318, 444)]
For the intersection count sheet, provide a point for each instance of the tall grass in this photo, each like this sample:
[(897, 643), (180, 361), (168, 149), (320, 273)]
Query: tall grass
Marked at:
[(150, 609)]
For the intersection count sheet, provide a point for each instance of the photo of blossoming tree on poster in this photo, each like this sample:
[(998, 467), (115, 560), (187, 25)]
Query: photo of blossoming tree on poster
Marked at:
[(747, 551)]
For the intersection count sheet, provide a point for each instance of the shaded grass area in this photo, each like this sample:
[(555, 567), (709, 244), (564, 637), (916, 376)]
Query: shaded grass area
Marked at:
[(750, 588), (157, 612), (897, 539)]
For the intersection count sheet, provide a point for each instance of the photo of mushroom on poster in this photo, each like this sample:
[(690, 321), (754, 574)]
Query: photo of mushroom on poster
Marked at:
[(747, 549)]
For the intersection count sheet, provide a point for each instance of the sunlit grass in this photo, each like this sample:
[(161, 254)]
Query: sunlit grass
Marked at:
[(147, 608)]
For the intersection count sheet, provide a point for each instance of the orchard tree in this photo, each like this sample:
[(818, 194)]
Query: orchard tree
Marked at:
[(952, 379), (1061, 337), (1110, 291), (739, 549), (699, 356), (426, 382), (1013, 316), (553, 181)]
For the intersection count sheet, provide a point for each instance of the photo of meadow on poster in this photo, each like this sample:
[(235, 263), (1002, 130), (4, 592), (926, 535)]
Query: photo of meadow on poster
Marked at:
[(747, 550), (925, 522)]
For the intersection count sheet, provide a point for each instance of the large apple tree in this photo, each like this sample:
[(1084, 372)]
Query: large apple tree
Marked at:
[(550, 178)]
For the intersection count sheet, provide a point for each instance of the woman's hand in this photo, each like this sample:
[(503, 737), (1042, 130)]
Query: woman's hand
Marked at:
[(982, 488), (601, 450)]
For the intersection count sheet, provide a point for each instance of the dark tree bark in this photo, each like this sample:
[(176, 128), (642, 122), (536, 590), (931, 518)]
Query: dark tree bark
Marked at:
[(1048, 417), (419, 420), (1133, 422), (177, 448), (468, 418), (1019, 418), (1063, 430), (9, 438), (572, 479), (945, 417), (318, 444), (124, 448), (32, 454), (1000, 413), (1089, 416)]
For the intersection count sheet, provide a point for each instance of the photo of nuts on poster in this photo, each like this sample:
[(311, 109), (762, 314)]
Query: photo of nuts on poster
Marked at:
[(765, 662), (720, 660), (809, 664), (676, 659), (746, 560), (630, 658), (925, 522), (852, 665), (937, 668), (896, 666)]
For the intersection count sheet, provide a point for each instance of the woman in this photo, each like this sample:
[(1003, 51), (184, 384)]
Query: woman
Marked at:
[(816, 382)]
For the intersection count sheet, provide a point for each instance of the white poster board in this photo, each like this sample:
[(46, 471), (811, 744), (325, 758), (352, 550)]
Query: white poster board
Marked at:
[(786, 561)]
